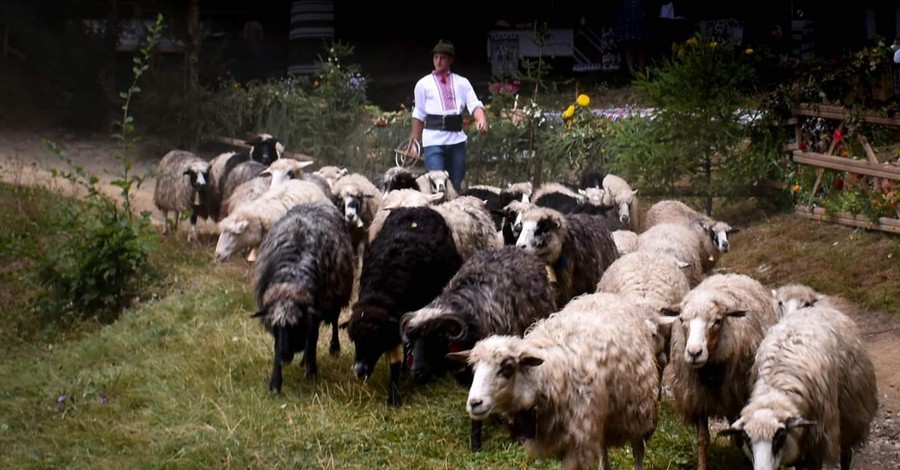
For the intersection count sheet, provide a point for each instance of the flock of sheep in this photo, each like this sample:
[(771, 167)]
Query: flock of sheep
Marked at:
[(560, 309)]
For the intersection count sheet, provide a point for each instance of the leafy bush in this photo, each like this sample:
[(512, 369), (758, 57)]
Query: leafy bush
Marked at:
[(93, 263)]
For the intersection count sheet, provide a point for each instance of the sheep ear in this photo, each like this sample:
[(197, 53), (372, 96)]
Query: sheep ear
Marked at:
[(798, 421), (736, 313), (434, 197), (342, 172), (305, 164), (732, 231), (343, 325), (730, 432), (460, 356), (254, 141), (530, 361), (673, 311), (265, 173), (260, 313)]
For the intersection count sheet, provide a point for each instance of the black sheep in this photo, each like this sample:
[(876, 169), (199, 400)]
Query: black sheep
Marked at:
[(495, 292), (407, 264), (303, 277)]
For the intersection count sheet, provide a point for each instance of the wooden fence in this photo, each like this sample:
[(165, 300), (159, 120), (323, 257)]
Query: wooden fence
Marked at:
[(871, 166)]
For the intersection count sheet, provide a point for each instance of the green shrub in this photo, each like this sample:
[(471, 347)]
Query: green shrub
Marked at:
[(95, 259)]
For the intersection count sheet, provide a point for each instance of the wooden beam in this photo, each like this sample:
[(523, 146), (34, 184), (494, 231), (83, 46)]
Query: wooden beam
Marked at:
[(846, 218), (840, 113), (845, 164)]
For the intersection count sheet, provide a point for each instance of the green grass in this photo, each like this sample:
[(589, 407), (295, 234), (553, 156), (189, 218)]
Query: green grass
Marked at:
[(179, 381)]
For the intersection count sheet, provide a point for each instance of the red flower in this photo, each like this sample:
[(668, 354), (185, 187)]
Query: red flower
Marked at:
[(838, 184), (803, 145), (838, 136)]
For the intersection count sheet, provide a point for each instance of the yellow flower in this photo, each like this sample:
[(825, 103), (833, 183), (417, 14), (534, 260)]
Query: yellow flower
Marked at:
[(796, 188), (748, 51), (583, 100), (713, 44), (692, 42), (569, 112)]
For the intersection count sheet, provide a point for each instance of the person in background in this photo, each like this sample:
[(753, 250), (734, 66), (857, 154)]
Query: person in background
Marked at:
[(439, 101), (632, 32)]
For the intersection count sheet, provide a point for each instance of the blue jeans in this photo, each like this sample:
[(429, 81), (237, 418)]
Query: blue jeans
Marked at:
[(451, 158)]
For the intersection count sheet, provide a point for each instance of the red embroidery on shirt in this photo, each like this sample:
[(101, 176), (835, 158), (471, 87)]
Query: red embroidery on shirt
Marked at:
[(446, 92)]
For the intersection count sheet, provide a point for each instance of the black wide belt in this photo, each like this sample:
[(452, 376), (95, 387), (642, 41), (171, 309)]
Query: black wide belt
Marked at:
[(440, 122)]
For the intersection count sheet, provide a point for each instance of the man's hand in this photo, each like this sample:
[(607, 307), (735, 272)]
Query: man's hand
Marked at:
[(481, 125)]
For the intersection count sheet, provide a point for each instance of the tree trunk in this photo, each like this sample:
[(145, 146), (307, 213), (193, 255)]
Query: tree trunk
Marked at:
[(112, 42), (192, 58)]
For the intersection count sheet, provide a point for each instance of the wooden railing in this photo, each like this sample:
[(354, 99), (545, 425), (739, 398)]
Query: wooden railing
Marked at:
[(871, 166)]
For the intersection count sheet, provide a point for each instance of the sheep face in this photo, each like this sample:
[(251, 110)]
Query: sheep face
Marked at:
[(431, 332), (718, 233), (500, 382), (438, 181), (234, 234), (793, 297), (594, 196), (197, 175), (373, 332), (541, 235), (702, 326), (770, 438), (285, 169), (331, 174), (265, 149)]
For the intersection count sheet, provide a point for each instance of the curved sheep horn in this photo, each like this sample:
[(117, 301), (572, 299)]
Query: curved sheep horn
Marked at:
[(455, 321), (798, 421), (459, 356)]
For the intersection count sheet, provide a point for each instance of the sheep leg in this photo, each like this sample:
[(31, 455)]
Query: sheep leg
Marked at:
[(175, 225), (394, 392), (604, 459), (335, 347), (309, 353), (192, 235), (846, 457), (165, 222), (475, 435), (637, 452), (702, 444), (275, 380)]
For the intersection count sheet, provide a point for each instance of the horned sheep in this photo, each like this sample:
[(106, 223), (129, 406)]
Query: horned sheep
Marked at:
[(577, 384), (814, 395), (398, 178), (576, 247), (407, 264), (496, 291), (303, 277), (182, 184), (722, 321)]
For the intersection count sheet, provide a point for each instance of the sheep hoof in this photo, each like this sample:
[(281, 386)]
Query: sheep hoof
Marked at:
[(275, 385), (393, 398)]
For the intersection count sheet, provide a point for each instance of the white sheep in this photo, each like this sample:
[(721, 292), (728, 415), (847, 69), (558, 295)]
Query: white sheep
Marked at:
[(655, 282), (626, 241), (814, 395), (278, 172), (577, 384), (249, 222), (713, 233), (722, 321), (359, 200), (679, 242), (792, 297), (617, 193), (331, 173), (182, 183), (437, 181), (471, 225)]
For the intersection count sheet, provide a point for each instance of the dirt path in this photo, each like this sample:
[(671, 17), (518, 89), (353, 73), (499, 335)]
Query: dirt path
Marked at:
[(25, 159)]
